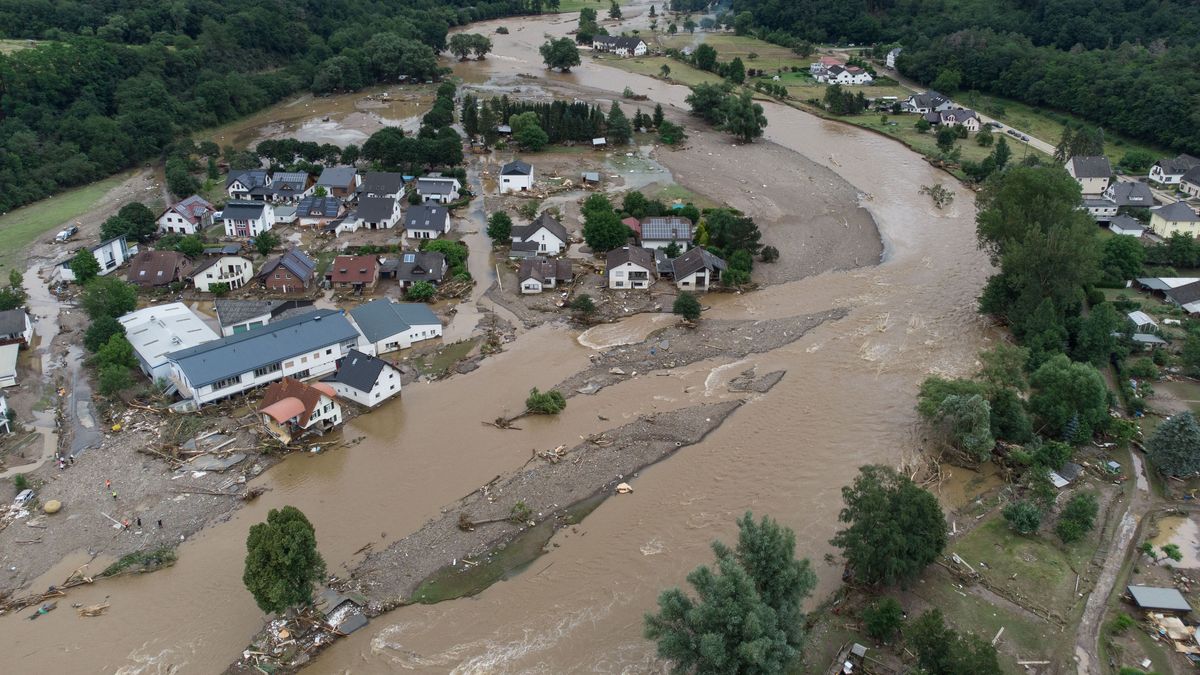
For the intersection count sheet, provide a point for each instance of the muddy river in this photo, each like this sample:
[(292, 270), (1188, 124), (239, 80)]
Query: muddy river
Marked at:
[(847, 400)]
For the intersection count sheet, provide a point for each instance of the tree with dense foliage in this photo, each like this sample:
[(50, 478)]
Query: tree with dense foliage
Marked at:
[(730, 231), (1174, 447), (549, 402), (670, 133), (743, 117), (108, 296), (687, 306), (1077, 517), (111, 379), (499, 227), (464, 45), (658, 116), (841, 101), (706, 101), (101, 329), (619, 130), (1102, 334), (191, 246), (116, 351), (1004, 366), (561, 54), (1121, 259), (746, 617), (893, 527), (421, 291), (527, 132), (583, 305), (883, 619), (943, 651), (614, 10), (84, 266), (967, 423), (282, 561), (604, 231), (266, 242), (1068, 394), (1023, 516)]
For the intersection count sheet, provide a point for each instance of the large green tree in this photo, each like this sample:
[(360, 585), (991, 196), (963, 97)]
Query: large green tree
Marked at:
[(282, 561), (108, 296), (1174, 448), (743, 117), (1069, 398), (561, 54), (84, 266)]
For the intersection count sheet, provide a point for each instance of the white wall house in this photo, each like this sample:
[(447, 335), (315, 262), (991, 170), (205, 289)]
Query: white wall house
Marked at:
[(892, 55), (15, 326), (1099, 208), (110, 254), (516, 176), (619, 45), (390, 326), (1092, 173), (246, 220), (845, 75), (438, 189), (228, 269), (1170, 171), (631, 267), (426, 221), (187, 216), (365, 379), (549, 234), (159, 330), (1189, 183)]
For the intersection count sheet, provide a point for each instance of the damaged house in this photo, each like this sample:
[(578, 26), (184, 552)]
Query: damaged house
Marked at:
[(291, 409)]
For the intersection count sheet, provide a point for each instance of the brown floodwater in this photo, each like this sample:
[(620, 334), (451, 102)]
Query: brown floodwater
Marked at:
[(847, 400)]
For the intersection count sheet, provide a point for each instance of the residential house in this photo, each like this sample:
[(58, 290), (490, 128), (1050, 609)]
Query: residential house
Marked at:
[(549, 234), (285, 214), (823, 63), (247, 219), (8, 365), (153, 269), (1092, 173), (662, 231), (414, 266), (1170, 171), (1171, 218), (892, 55), (15, 327), (1130, 193), (239, 316), (926, 102), (318, 211), (339, 181), (304, 346), (1126, 225), (390, 326), (631, 267), (382, 184), (516, 176), (159, 330), (438, 189), (619, 45), (844, 75), (230, 269), (242, 183), (697, 270), (111, 254), (1142, 322), (285, 188), (187, 217), (1189, 182), (538, 274), (377, 213), (426, 221), (958, 117), (353, 272), (288, 273), (365, 379), (1100, 209), (290, 409)]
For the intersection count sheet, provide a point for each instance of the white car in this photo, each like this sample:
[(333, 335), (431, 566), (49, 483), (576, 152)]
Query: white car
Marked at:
[(23, 498)]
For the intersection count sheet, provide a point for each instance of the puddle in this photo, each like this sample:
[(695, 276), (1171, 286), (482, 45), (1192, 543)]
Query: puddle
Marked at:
[(1184, 533)]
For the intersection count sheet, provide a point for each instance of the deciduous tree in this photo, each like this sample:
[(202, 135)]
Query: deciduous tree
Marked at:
[(282, 561)]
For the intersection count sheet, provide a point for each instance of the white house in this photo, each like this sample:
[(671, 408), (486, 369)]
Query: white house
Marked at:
[(15, 327), (377, 213), (304, 346), (382, 184), (516, 176), (110, 254), (926, 102), (365, 379), (538, 274), (318, 211), (697, 269), (291, 409), (1125, 225), (890, 60), (958, 117), (240, 184), (659, 232), (4, 416), (1092, 173), (389, 326), (247, 219), (159, 330), (426, 221), (631, 267), (233, 270), (549, 234), (8, 365), (1100, 209), (438, 189), (1130, 193), (1189, 183), (1170, 171), (187, 216), (619, 45), (844, 75)]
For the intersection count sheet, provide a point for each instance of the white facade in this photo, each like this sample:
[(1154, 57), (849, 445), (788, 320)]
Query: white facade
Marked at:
[(386, 385), (4, 415), (892, 55), (248, 324), (516, 182), (1116, 228), (229, 269), (156, 331), (405, 339), (317, 363), (844, 76), (172, 221), (699, 280), (532, 285), (110, 254), (548, 243), (247, 227), (8, 365), (630, 275), (445, 190), (1100, 209), (326, 414), (431, 231)]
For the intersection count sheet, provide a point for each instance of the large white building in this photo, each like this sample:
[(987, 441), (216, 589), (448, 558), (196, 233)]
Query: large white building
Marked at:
[(157, 331), (389, 326), (111, 254), (233, 270), (516, 176)]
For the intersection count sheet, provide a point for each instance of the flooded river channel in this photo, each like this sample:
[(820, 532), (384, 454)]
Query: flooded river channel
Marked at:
[(847, 400)]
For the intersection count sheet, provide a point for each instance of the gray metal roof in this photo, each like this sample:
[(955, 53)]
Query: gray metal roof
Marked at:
[(337, 176), (1152, 597), (375, 209), (380, 319), (425, 217), (436, 186), (1130, 193), (1177, 212), (244, 352), (516, 168), (12, 321), (242, 210), (1091, 167), (695, 260), (358, 370)]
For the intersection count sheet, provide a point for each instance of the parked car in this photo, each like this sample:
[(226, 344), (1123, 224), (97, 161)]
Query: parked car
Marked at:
[(1013, 133), (23, 497), (66, 234)]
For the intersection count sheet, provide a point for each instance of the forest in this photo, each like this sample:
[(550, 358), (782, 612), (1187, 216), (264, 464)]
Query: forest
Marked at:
[(1128, 66), (113, 83)]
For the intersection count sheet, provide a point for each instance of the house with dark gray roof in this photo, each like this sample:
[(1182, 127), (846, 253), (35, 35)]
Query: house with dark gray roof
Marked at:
[(620, 45), (1130, 193), (1189, 182), (389, 326), (1091, 172), (286, 187), (239, 316), (697, 269), (15, 327), (438, 189), (631, 267), (365, 379), (413, 266), (662, 231), (378, 213), (1126, 225), (549, 234), (1170, 171), (291, 272), (339, 181), (426, 221), (382, 184), (1186, 296), (247, 219), (302, 347), (1168, 219), (516, 176), (537, 274), (318, 211), (925, 102), (241, 183)]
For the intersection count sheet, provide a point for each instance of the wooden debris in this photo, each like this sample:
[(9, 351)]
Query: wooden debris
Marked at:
[(93, 610)]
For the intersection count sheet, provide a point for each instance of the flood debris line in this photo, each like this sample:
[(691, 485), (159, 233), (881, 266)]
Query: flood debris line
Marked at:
[(473, 532), (677, 346)]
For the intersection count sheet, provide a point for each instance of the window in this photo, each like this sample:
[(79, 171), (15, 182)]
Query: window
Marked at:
[(301, 374), (328, 352), (289, 364), (267, 369), (620, 274), (227, 382)]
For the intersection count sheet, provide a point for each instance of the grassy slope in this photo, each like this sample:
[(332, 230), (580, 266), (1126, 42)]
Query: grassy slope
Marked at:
[(19, 228)]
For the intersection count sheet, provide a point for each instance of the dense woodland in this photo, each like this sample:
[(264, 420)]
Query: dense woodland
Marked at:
[(116, 81), (1127, 65)]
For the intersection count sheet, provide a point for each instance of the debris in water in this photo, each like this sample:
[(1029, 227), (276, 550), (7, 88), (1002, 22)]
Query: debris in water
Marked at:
[(624, 489)]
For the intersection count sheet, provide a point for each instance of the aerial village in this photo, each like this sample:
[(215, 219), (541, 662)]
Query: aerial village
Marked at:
[(287, 299)]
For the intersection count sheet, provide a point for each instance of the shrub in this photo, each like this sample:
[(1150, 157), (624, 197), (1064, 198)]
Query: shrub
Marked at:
[(1024, 517), (20, 482), (1077, 518), (1122, 623), (545, 403), (769, 254), (584, 305), (687, 306), (883, 619), (421, 291)]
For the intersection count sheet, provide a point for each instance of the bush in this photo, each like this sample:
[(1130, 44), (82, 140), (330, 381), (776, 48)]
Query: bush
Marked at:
[(529, 209), (545, 403), (883, 619), (1122, 623), (1077, 518), (502, 30), (1024, 517), (421, 291), (20, 482), (113, 378), (1142, 368), (687, 306), (769, 254), (584, 305)]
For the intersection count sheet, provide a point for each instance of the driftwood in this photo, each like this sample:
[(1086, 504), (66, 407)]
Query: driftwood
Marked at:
[(92, 610)]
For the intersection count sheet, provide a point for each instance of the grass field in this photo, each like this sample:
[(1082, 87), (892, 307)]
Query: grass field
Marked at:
[(10, 46), (728, 46), (576, 5), (652, 66), (19, 228), (926, 143)]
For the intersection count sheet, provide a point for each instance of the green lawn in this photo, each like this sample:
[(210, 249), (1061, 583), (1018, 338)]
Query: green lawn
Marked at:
[(600, 6), (652, 65), (20, 228), (728, 46), (10, 46), (902, 127)]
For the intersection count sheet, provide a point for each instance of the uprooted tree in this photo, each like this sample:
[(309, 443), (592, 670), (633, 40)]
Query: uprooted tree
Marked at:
[(545, 403)]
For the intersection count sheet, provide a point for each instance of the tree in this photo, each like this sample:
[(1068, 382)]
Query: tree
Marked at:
[(922, 125), (421, 291), (583, 305), (112, 379), (769, 254), (84, 266), (658, 115), (191, 246), (1100, 335), (943, 651), (545, 403), (116, 351), (1023, 516), (604, 231), (984, 139), (671, 133), (743, 117), (705, 57), (614, 10), (664, 70), (743, 23), (1004, 366), (499, 227), (967, 422), (463, 45), (108, 296), (1001, 154), (947, 80), (561, 54), (687, 306), (883, 619), (266, 242), (1174, 448), (1066, 392), (1077, 517), (894, 528), (1121, 259), (732, 232), (99, 332), (527, 131), (946, 138), (736, 71), (673, 250), (282, 561), (619, 129)]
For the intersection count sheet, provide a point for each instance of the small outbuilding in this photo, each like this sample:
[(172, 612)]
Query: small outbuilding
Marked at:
[(516, 176), (1159, 599)]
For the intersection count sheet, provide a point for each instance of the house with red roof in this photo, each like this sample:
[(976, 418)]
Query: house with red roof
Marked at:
[(353, 272), (290, 409)]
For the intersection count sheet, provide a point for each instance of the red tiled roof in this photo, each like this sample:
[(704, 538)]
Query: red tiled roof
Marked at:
[(633, 224), (289, 397), (354, 269)]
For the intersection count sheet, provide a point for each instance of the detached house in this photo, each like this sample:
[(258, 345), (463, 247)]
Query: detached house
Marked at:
[(516, 176), (15, 327), (239, 316), (822, 64), (546, 232), (1170, 171), (291, 409), (1100, 209), (697, 270), (926, 102), (390, 326), (1190, 182), (247, 219), (426, 221), (438, 189), (353, 272), (241, 184), (661, 231), (382, 184), (341, 182), (1092, 173), (1171, 218), (631, 267), (111, 254), (187, 217), (538, 274), (152, 269), (288, 273), (318, 211), (619, 45), (954, 117), (377, 213), (365, 379), (284, 188), (1130, 193), (844, 75), (223, 268), (892, 55), (413, 266)]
